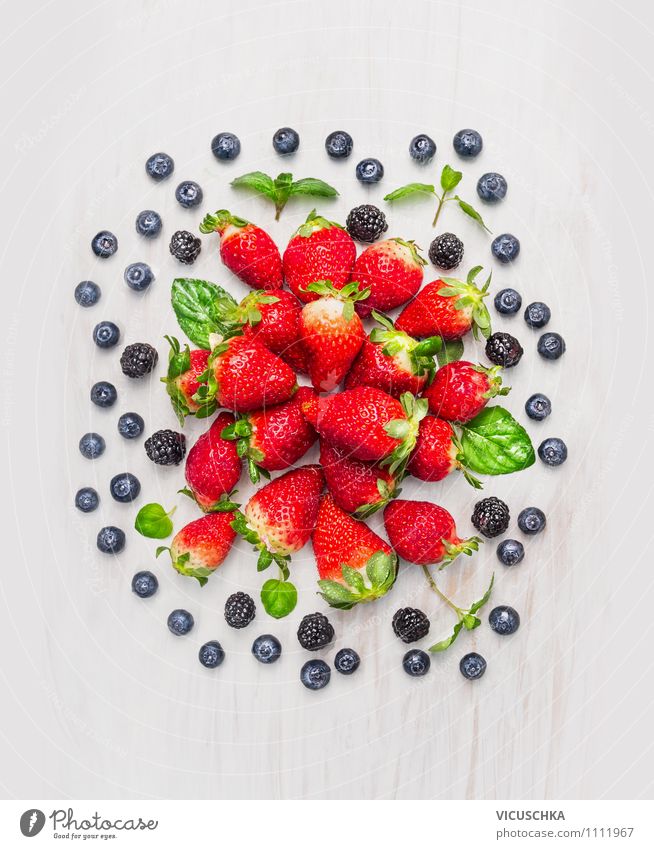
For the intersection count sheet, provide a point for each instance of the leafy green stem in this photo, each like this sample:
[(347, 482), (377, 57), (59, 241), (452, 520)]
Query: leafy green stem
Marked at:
[(440, 594)]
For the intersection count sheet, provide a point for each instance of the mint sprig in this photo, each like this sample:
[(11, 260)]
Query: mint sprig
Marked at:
[(283, 187), (154, 522), (466, 618)]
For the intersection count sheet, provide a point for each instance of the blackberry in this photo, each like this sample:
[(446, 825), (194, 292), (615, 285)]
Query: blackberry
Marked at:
[(410, 624), (240, 610), (446, 251), (315, 632), (138, 359), (185, 247), (504, 350), (166, 448), (491, 517), (366, 223)]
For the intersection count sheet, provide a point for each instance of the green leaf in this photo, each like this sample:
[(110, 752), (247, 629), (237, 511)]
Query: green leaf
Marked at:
[(447, 642), (493, 443), (471, 211), (450, 352), (336, 595), (312, 187), (264, 561), (450, 178), (258, 182), (379, 568), (279, 597), (153, 522), (353, 579), (470, 622), (482, 601), (200, 308), (411, 189)]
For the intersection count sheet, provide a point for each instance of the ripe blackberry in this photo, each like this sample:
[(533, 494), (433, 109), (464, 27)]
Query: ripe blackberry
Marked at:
[(504, 350), (410, 624), (185, 247), (166, 448), (315, 632), (446, 251), (366, 223), (239, 610), (491, 517), (138, 359)]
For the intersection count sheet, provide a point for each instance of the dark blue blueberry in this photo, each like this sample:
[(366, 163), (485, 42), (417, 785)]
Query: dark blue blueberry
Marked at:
[(103, 394), (505, 248), (510, 552), (508, 301), (104, 244), (346, 661), (531, 520), (92, 445), (106, 334), (537, 314), (225, 146), (468, 143), (538, 406), (125, 487), (180, 622), (369, 171), (159, 166), (131, 425), (138, 276), (472, 666), (285, 140), (189, 194), (553, 451), (422, 148), (551, 346), (110, 540), (145, 584), (87, 293), (266, 648), (416, 663), (211, 654), (148, 223), (339, 144), (86, 499), (491, 187), (504, 620), (315, 674)]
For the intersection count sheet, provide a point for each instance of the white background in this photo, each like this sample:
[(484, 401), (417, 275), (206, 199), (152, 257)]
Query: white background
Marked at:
[(98, 699)]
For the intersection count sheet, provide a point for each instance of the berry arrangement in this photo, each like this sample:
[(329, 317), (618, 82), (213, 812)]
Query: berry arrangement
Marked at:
[(311, 357)]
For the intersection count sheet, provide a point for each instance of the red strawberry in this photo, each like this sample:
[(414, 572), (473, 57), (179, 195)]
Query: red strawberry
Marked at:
[(425, 533), (247, 250), (438, 452), (392, 270), (460, 390), (356, 487), (331, 333), (347, 552), (447, 308), (201, 546), (213, 467), (319, 250), (184, 369)]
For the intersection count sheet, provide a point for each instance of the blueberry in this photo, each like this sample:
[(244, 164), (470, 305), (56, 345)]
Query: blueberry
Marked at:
[(145, 584), (504, 620), (531, 520), (553, 451), (468, 143), (416, 663), (225, 146), (92, 445), (472, 666), (266, 648), (346, 661), (538, 406), (148, 223), (87, 499), (505, 248), (369, 171), (422, 148), (103, 394), (104, 244), (110, 540), (125, 487), (510, 552), (508, 301), (106, 334), (180, 622), (285, 141), (315, 674), (551, 346), (131, 425), (491, 187), (211, 654), (159, 166), (87, 293), (189, 194), (537, 314), (339, 144), (138, 276)]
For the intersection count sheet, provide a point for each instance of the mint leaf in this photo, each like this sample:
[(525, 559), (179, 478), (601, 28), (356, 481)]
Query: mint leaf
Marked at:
[(411, 189), (258, 182), (279, 597), (450, 352), (153, 522), (312, 187), (482, 601), (450, 178), (471, 211), (200, 308), (447, 642), (493, 443)]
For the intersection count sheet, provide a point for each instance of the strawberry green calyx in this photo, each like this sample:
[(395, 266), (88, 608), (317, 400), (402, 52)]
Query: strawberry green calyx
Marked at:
[(454, 549), (413, 248), (180, 564), (381, 572), (420, 354), (241, 432), (205, 397), (266, 557), (236, 316), (225, 504), (179, 362), (460, 462), (220, 220), (494, 376), (386, 494), (349, 294), (407, 431), (468, 295), (466, 618), (283, 187), (314, 223)]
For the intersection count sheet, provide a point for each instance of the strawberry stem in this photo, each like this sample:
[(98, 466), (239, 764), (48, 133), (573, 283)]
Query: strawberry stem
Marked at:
[(439, 593)]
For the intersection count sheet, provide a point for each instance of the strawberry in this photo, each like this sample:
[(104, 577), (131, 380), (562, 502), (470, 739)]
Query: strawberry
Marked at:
[(425, 533), (460, 390), (347, 552), (331, 333), (356, 487), (182, 381), (201, 546), (392, 361), (247, 250), (438, 452), (319, 250), (213, 467), (447, 308), (392, 270), (272, 439)]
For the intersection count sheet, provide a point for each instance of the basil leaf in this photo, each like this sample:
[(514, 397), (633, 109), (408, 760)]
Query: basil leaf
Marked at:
[(447, 642), (450, 352), (471, 211), (200, 308), (411, 189), (493, 443), (313, 187), (258, 182), (450, 178), (153, 522), (279, 597)]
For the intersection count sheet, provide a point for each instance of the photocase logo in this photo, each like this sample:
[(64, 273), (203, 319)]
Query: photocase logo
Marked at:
[(32, 822)]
